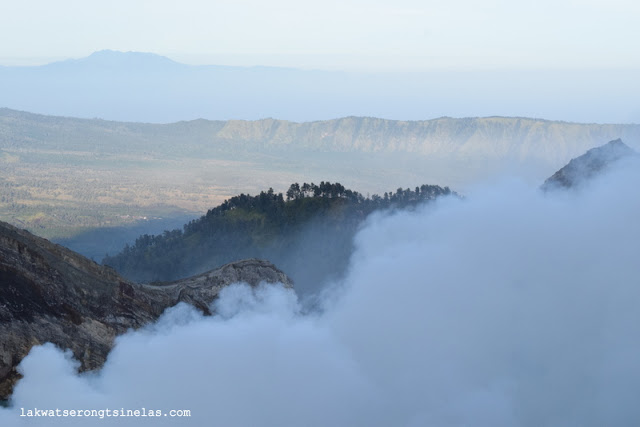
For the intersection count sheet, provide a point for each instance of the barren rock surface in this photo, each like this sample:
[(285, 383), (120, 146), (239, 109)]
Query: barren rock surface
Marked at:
[(590, 164), (51, 294)]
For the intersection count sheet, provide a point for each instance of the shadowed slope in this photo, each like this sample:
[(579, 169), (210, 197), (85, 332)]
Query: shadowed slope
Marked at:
[(51, 294), (585, 167)]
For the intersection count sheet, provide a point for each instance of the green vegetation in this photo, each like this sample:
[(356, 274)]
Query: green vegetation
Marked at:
[(61, 176), (308, 233)]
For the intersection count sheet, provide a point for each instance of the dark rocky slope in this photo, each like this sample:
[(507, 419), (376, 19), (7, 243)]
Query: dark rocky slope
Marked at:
[(51, 294), (590, 164)]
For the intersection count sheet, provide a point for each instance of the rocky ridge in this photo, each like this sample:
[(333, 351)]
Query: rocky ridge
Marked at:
[(512, 138), (51, 294), (588, 165)]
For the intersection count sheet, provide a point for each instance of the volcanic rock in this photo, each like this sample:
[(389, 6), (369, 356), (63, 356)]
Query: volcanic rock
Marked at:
[(590, 164), (51, 294)]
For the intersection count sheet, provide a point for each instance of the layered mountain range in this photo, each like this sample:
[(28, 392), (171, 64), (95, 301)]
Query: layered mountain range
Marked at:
[(545, 142), (136, 86), (60, 176)]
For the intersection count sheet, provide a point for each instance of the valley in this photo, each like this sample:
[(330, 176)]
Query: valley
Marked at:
[(61, 177), (323, 213)]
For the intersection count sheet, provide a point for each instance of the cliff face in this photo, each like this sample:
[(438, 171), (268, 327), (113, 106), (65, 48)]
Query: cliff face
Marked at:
[(509, 138), (584, 167), (51, 294)]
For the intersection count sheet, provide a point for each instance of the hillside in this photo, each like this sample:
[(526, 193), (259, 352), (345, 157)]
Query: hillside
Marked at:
[(51, 294), (592, 163), (309, 235)]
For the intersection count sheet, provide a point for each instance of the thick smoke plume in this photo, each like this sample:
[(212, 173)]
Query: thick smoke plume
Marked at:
[(508, 308)]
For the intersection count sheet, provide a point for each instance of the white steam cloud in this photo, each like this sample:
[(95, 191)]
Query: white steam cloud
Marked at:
[(508, 308)]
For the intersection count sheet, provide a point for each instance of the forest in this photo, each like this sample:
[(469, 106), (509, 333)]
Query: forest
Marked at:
[(307, 232)]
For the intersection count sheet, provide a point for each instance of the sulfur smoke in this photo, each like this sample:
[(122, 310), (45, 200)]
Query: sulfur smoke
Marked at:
[(508, 308)]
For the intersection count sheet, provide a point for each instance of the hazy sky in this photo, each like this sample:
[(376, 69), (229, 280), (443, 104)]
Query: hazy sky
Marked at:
[(335, 34)]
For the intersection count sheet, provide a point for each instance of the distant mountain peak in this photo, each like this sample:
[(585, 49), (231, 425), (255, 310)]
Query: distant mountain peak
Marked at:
[(109, 53), (116, 58), (588, 165)]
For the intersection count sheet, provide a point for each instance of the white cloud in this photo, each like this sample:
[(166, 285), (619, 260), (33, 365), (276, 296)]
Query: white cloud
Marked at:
[(509, 308)]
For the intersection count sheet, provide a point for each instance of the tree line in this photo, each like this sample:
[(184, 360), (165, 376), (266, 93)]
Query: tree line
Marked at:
[(307, 231)]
